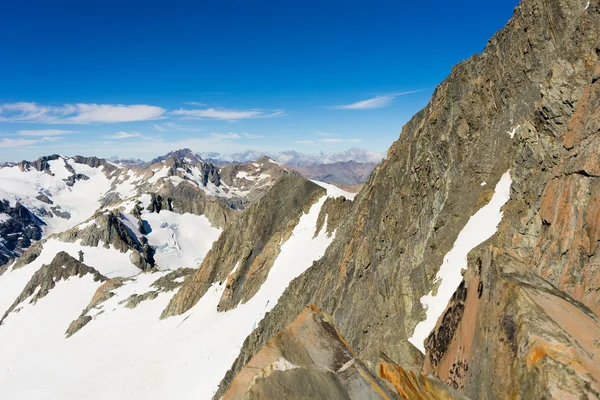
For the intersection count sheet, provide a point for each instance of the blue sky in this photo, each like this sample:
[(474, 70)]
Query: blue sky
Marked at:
[(140, 78)]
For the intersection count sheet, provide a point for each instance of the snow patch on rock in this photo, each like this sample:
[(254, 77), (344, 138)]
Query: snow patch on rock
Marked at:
[(478, 229)]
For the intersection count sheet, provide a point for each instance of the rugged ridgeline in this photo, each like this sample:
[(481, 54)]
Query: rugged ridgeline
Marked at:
[(310, 360), (243, 255), (54, 193), (524, 323), (100, 288)]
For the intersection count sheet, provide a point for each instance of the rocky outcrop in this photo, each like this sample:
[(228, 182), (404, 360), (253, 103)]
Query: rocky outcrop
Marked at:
[(30, 255), (169, 282), (70, 181), (186, 155), (41, 164), (62, 267), (566, 252), (188, 198), (414, 386), (537, 341), (332, 214), (253, 179), (44, 199), (507, 108), (57, 211), (96, 162), (19, 228), (249, 245), (108, 229), (309, 359), (103, 293)]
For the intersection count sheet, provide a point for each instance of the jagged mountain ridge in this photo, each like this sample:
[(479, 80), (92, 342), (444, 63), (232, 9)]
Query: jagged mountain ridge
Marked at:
[(510, 108), (144, 251), (510, 136), (55, 193)]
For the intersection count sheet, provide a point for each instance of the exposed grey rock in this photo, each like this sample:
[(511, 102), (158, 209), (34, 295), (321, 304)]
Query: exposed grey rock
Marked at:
[(60, 213), (135, 299), (110, 230), (103, 293), (41, 164), (181, 154), (255, 178), (188, 198), (252, 241), (43, 198), (30, 255), (62, 267), (70, 181), (528, 81), (96, 162), (18, 232), (334, 211)]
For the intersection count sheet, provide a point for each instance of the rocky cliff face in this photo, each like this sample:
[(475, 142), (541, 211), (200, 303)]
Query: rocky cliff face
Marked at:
[(244, 253), (522, 320), (62, 267), (107, 229), (526, 104), (309, 359), (538, 342), (18, 229), (188, 198)]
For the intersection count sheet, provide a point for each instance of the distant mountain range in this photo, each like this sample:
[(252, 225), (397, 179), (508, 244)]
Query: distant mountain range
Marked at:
[(347, 173)]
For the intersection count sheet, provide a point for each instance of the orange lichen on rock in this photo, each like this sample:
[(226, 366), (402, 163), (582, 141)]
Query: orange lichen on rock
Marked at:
[(411, 385), (308, 359)]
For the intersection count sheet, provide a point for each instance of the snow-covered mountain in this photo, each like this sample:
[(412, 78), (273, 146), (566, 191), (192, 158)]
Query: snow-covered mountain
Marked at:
[(102, 249), (97, 286), (467, 265), (54, 193)]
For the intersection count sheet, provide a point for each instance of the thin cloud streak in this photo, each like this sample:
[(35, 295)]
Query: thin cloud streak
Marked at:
[(227, 114), (44, 132), (10, 143), (79, 113), (375, 102), (123, 135)]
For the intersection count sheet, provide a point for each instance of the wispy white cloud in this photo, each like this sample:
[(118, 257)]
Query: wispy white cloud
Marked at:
[(375, 102), (225, 136), (172, 126), (326, 137), (10, 143), (339, 140), (44, 132), (195, 103), (252, 136), (123, 135), (227, 114), (79, 113)]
